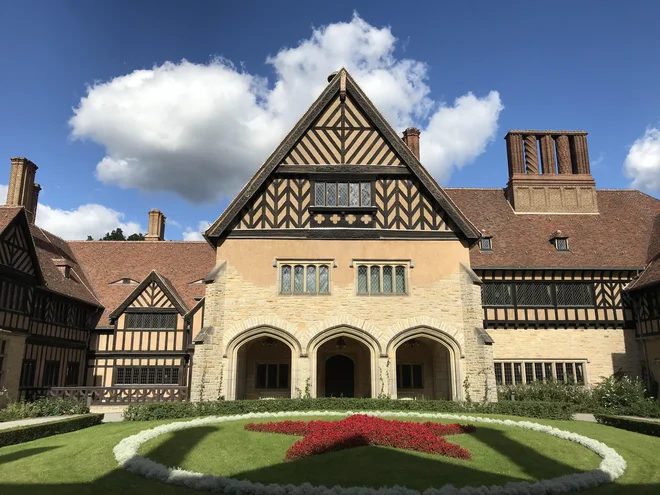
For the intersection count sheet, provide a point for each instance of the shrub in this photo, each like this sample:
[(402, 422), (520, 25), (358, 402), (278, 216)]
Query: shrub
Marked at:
[(550, 391), (615, 392), (22, 434), (173, 410), (42, 407), (639, 426)]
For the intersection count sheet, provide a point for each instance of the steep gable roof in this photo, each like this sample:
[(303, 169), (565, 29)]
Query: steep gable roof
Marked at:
[(342, 82), (165, 285), (651, 274), (17, 249)]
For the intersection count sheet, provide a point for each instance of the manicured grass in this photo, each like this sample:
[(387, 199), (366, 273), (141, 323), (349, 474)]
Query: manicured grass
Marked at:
[(82, 462)]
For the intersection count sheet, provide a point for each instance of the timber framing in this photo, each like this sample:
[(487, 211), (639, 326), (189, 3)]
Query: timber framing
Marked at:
[(278, 156), (157, 278)]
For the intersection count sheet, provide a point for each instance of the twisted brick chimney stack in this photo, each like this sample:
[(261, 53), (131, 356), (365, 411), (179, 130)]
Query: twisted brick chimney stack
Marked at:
[(22, 190), (411, 138), (556, 180), (156, 227)]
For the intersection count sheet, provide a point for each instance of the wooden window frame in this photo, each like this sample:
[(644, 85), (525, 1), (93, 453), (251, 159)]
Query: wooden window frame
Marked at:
[(146, 370), (406, 264), (552, 285), (317, 263), (399, 376), (277, 379), (53, 380), (556, 367), (325, 207), (486, 244), (71, 380), (32, 370), (144, 314)]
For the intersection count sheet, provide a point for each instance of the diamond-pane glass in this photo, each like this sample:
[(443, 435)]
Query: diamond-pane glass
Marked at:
[(311, 279), (342, 194), (362, 279), (400, 279), (533, 295), (375, 279), (355, 194), (324, 279), (496, 294), (387, 279), (298, 276), (331, 194), (286, 279), (562, 244), (574, 294), (319, 193), (365, 190)]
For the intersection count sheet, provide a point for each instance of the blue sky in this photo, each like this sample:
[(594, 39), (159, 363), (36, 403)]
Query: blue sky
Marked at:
[(188, 137)]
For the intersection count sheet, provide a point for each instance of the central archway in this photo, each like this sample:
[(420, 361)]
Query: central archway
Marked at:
[(339, 376)]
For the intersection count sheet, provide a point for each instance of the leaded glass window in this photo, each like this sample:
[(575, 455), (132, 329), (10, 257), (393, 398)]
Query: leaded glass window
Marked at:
[(375, 279), (311, 279), (298, 278), (308, 278), (530, 371), (561, 244), (496, 294), (342, 194), (151, 320), (387, 279), (576, 294), (320, 194), (353, 194), (324, 279), (533, 295), (146, 375), (331, 194), (286, 279), (362, 280), (400, 279)]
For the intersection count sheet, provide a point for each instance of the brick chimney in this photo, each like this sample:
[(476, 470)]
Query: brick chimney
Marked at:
[(559, 182), (156, 228), (21, 184), (411, 138)]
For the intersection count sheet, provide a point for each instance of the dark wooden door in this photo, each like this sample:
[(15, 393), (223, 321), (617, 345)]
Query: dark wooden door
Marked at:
[(339, 377)]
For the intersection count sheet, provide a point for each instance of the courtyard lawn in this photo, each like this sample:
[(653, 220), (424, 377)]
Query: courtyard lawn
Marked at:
[(82, 462)]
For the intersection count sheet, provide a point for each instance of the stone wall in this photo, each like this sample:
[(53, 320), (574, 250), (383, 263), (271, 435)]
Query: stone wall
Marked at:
[(14, 349), (243, 302)]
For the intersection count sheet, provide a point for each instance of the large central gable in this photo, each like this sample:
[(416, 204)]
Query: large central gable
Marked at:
[(342, 134), (342, 131)]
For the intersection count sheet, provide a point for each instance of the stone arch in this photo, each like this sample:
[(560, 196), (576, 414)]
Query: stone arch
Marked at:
[(447, 340), (346, 320), (440, 326), (274, 322), (360, 335), (246, 336)]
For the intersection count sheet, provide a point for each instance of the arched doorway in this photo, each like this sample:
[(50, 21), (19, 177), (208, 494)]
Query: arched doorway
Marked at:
[(343, 367), (263, 369), (423, 369), (339, 376)]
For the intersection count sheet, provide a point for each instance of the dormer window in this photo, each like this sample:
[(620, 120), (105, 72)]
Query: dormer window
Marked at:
[(486, 244), (125, 281), (560, 240)]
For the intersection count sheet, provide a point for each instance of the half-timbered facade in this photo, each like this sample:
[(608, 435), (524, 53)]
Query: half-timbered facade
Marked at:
[(343, 269)]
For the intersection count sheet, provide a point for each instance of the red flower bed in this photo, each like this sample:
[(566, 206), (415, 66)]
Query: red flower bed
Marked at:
[(359, 430)]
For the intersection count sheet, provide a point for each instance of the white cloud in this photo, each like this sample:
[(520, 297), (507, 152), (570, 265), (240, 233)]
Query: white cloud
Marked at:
[(642, 164), (90, 219), (201, 130), (196, 235)]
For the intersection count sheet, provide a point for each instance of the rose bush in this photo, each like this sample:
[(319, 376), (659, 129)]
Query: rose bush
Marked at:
[(360, 430)]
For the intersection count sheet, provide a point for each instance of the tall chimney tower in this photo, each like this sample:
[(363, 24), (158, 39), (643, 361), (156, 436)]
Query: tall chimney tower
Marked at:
[(411, 138), (559, 182), (156, 227), (21, 183)]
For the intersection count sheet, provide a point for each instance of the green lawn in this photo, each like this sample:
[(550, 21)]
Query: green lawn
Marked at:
[(82, 462)]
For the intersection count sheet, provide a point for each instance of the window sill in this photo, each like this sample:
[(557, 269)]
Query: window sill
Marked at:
[(305, 294), (343, 209), (381, 294)]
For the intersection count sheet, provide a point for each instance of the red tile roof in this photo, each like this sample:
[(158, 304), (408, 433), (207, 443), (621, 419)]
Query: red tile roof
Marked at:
[(106, 262), (617, 237), (651, 274)]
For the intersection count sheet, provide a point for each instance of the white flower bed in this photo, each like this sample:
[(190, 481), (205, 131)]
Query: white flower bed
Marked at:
[(126, 453)]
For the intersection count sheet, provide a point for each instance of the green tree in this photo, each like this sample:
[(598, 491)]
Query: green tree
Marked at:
[(90, 238), (115, 235), (135, 237)]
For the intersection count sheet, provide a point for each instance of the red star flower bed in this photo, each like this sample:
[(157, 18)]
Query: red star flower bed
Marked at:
[(359, 430)]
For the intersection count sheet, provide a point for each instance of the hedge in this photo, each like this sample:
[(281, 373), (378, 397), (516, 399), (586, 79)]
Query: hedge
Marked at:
[(639, 426), (22, 434), (45, 406), (173, 410)]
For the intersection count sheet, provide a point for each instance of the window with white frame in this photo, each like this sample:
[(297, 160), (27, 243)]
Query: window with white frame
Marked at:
[(304, 277), (527, 371), (386, 278), (351, 194)]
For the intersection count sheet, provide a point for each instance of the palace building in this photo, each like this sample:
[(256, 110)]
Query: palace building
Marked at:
[(343, 269)]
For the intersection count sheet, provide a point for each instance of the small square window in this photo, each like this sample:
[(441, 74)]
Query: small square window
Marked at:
[(486, 244), (561, 243)]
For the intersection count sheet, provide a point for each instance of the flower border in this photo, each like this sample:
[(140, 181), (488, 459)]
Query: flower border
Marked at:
[(611, 467)]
